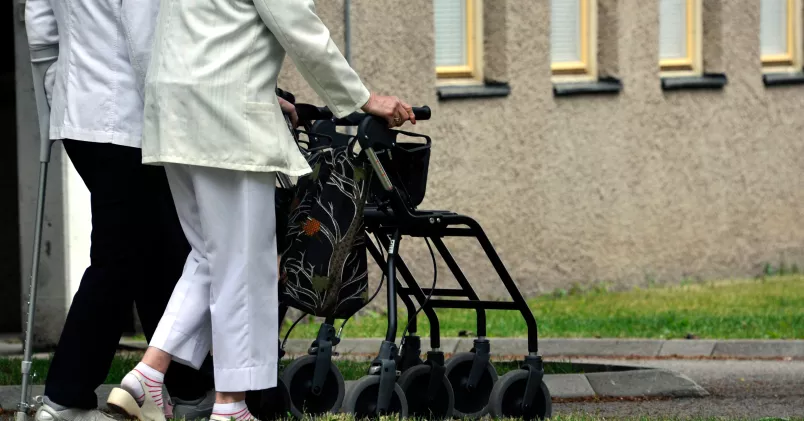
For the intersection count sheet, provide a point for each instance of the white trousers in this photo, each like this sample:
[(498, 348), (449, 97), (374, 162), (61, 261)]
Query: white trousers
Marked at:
[(227, 296)]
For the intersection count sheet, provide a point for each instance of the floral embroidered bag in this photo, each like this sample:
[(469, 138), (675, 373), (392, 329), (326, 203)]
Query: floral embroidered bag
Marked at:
[(324, 261)]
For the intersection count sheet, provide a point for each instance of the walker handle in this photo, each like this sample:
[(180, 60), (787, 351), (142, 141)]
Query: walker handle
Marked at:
[(309, 112)]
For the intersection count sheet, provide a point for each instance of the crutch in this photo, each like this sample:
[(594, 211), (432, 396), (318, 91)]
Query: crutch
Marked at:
[(41, 60)]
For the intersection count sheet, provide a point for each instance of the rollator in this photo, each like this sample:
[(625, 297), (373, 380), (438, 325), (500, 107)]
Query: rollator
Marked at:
[(399, 381)]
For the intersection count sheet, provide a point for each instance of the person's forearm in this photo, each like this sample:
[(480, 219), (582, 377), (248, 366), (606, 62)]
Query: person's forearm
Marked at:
[(307, 41)]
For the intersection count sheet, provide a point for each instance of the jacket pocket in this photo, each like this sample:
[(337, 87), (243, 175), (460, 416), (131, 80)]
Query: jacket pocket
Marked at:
[(265, 133)]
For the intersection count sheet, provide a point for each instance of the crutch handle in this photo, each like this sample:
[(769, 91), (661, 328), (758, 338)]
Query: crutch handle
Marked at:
[(41, 60)]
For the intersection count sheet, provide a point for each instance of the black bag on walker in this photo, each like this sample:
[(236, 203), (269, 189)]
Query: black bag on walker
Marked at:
[(324, 261)]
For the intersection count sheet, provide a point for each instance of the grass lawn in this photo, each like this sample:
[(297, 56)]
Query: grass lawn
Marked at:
[(352, 370), (765, 308)]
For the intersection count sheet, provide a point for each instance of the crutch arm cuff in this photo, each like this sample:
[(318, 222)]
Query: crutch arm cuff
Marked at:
[(44, 53)]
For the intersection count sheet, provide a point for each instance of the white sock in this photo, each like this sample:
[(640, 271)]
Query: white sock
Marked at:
[(238, 410), (153, 380)]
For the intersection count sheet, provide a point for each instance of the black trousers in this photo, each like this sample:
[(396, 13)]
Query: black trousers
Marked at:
[(137, 254)]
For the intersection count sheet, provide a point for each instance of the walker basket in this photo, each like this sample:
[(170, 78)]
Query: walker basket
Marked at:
[(407, 165)]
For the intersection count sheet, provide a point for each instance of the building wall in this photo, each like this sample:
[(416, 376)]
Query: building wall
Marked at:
[(642, 186)]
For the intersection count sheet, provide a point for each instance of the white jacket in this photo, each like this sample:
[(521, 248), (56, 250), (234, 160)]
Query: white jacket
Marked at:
[(104, 48), (210, 91)]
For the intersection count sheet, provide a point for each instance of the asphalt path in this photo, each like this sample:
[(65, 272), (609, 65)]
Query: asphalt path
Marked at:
[(738, 389)]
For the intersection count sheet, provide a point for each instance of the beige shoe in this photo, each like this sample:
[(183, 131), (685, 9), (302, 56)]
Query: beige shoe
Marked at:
[(122, 402)]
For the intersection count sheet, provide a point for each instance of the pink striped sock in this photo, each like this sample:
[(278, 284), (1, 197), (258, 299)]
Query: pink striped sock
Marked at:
[(152, 380), (237, 411)]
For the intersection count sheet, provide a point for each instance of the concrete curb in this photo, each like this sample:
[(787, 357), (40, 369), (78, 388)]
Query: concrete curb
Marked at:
[(610, 348), (644, 348), (631, 383), (648, 383), (12, 348)]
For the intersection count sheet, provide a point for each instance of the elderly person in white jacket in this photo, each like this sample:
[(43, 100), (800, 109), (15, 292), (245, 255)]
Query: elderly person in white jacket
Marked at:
[(138, 248), (212, 118)]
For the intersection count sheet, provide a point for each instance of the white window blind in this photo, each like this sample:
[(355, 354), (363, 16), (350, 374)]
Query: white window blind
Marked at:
[(773, 27), (565, 31), (673, 29), (450, 33)]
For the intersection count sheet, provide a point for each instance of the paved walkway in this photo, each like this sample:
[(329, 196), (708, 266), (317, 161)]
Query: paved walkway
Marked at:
[(744, 378), (738, 389)]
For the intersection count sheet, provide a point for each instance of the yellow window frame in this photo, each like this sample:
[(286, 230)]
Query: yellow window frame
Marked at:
[(585, 65), (474, 45), (788, 58), (694, 31)]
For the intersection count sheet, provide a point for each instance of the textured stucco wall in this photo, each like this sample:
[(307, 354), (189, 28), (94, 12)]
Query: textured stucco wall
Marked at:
[(640, 186), (644, 185)]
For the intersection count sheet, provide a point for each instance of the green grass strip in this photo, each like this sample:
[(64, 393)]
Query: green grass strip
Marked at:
[(768, 308)]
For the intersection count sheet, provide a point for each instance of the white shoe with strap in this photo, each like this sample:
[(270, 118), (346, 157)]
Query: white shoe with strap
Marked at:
[(141, 398)]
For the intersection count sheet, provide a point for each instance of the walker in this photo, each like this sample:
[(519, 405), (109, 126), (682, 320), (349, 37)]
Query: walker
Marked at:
[(398, 380)]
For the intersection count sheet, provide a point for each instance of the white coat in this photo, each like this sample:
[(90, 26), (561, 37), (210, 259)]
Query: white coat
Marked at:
[(104, 48), (210, 90)]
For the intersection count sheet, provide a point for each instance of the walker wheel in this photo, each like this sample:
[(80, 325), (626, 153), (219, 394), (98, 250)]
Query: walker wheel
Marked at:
[(269, 404), (415, 382), (472, 403), (506, 398), (361, 399), (298, 376)]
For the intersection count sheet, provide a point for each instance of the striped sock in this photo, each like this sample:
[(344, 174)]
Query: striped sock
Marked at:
[(152, 379), (237, 411)]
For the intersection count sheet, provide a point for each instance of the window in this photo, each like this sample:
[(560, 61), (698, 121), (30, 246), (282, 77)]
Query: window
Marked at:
[(572, 37), (680, 35), (779, 33), (458, 36)]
